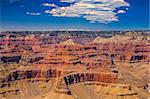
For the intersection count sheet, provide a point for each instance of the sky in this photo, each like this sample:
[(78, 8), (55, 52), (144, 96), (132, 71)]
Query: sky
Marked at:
[(44, 15)]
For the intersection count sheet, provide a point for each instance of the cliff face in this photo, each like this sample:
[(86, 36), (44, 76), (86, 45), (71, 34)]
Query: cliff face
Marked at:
[(97, 53), (9, 59), (41, 57)]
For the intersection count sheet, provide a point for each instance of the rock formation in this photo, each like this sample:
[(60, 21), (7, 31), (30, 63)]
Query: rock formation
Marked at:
[(66, 60)]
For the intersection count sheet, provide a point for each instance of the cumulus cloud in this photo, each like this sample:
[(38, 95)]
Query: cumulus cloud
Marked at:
[(69, 1), (32, 13), (49, 4), (102, 11), (121, 11)]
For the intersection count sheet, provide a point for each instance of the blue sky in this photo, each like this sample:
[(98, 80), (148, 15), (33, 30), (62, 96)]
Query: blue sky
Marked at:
[(74, 14)]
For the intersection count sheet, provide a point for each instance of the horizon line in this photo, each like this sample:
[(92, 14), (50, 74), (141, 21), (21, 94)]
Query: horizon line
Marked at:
[(80, 30)]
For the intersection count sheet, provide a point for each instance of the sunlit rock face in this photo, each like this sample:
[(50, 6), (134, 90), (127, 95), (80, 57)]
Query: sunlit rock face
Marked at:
[(95, 58)]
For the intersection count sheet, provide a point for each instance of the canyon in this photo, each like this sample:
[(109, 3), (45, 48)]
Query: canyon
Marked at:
[(75, 65)]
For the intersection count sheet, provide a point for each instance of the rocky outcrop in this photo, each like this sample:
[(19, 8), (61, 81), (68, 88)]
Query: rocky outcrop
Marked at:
[(10, 59)]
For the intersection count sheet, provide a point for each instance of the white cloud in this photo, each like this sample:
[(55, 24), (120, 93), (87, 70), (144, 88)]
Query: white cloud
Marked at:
[(49, 4), (121, 11), (127, 8), (32, 13), (102, 11), (69, 1)]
